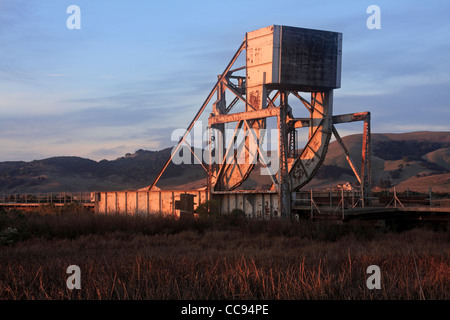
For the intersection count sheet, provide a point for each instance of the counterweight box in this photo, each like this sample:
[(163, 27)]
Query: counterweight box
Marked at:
[(300, 59)]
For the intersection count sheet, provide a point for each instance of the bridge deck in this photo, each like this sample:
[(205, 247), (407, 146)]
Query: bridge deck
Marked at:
[(35, 205), (375, 213)]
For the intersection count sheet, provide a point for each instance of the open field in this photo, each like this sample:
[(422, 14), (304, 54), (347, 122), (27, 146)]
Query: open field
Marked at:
[(215, 257)]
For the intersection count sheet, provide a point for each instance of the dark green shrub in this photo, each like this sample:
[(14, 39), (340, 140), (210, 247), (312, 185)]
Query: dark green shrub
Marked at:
[(9, 236)]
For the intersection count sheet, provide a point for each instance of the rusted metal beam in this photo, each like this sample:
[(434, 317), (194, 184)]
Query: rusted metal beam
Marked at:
[(312, 156), (232, 104), (303, 100), (311, 138), (302, 122), (250, 115), (262, 155), (284, 178), (245, 192), (347, 154), (225, 157), (237, 94), (199, 160), (351, 117), (270, 101), (366, 166)]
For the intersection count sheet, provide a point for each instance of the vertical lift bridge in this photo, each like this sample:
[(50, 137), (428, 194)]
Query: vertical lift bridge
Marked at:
[(283, 65)]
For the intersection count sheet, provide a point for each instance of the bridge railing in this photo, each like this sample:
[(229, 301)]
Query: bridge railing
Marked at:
[(352, 198), (44, 198)]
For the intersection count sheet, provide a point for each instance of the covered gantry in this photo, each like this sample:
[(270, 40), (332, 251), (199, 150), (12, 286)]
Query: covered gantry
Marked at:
[(288, 71)]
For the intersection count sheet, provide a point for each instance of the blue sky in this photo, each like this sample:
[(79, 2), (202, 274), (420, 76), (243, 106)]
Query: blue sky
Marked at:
[(137, 70)]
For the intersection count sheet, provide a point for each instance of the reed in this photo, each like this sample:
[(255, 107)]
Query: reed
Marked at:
[(135, 257)]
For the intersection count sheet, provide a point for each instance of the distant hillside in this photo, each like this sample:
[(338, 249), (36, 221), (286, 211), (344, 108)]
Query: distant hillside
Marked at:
[(78, 174), (417, 160)]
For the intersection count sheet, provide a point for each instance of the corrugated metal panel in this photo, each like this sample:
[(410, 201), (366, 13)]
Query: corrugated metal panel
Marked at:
[(261, 205), (144, 202)]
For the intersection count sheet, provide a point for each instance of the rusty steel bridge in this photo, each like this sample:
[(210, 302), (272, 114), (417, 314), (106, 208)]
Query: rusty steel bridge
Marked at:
[(288, 77)]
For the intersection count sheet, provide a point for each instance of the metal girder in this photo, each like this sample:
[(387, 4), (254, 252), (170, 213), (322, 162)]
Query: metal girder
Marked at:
[(347, 154), (351, 117), (260, 153), (365, 177), (259, 114), (312, 156), (366, 166), (226, 156), (264, 74), (284, 178)]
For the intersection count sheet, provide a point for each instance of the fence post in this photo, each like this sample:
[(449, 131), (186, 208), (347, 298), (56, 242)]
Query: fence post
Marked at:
[(331, 197), (353, 197), (430, 193), (395, 198)]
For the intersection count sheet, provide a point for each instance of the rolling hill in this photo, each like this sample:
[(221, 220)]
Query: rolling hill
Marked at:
[(73, 174), (415, 160)]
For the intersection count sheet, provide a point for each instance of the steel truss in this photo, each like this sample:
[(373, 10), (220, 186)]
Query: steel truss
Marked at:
[(295, 168)]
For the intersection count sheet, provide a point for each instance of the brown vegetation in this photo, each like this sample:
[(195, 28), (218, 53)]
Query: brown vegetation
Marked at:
[(215, 257)]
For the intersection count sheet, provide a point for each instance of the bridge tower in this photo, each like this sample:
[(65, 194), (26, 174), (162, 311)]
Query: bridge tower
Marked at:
[(286, 69)]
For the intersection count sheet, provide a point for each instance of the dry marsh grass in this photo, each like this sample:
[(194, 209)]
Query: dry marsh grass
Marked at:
[(134, 258)]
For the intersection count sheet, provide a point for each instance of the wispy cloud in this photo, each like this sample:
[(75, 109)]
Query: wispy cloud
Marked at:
[(117, 87)]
